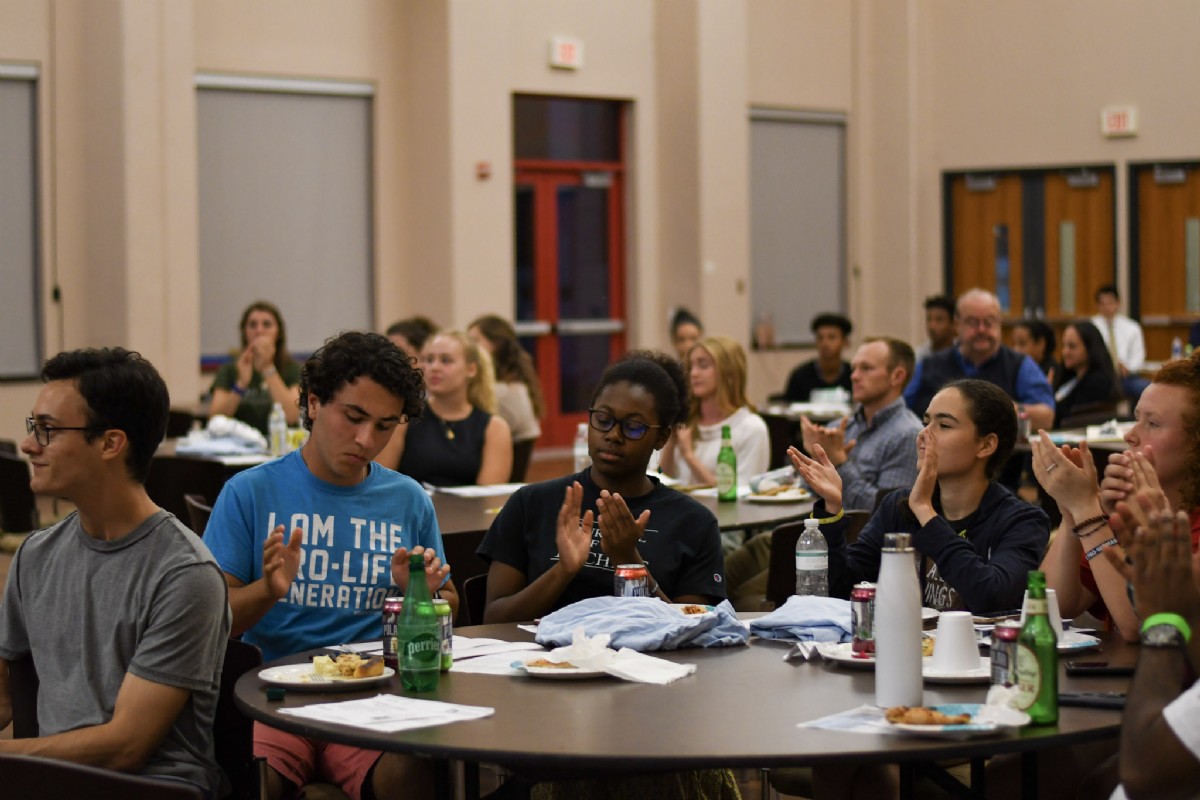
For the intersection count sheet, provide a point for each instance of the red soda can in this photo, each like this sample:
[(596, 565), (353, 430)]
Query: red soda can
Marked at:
[(1004, 653), (862, 619), (392, 606), (631, 580)]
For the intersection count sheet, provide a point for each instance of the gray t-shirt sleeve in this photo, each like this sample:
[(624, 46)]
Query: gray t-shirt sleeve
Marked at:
[(14, 639), (186, 627)]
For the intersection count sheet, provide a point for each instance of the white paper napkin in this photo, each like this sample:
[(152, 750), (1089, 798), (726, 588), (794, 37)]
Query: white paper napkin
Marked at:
[(389, 713), (593, 652)]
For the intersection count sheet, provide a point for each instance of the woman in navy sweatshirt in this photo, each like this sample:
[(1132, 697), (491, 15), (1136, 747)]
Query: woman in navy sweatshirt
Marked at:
[(976, 542)]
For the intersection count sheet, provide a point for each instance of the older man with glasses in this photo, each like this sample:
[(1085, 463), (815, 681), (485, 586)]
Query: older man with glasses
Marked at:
[(980, 354)]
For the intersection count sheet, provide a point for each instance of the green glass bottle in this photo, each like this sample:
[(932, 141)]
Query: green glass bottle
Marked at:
[(419, 641), (726, 468), (1037, 657)]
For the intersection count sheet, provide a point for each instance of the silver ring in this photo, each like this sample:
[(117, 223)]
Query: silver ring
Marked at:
[(1052, 466)]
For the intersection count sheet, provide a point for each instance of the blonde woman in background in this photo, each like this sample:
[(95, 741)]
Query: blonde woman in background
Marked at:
[(458, 439), (717, 376)]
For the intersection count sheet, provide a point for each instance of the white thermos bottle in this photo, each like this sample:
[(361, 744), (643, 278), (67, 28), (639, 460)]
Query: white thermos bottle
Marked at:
[(897, 625)]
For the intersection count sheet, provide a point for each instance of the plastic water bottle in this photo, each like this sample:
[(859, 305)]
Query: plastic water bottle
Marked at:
[(583, 459), (1176, 348), (277, 428), (726, 468), (812, 561), (897, 625)]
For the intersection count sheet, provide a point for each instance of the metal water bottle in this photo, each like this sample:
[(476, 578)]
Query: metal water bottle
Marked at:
[(897, 625)]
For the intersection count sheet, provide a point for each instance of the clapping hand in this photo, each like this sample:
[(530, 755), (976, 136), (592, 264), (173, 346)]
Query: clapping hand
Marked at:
[(435, 571), (920, 497), (619, 531), (281, 562), (574, 536), (1068, 474), (831, 440), (820, 474), (1118, 482), (1160, 565)]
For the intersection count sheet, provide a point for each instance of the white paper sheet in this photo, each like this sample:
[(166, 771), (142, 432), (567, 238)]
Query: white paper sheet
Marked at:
[(494, 664), (465, 648), (495, 490), (389, 713)]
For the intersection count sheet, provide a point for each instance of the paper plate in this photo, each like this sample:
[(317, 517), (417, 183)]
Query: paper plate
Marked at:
[(790, 496), (559, 673), (966, 730), (843, 655), (301, 677)]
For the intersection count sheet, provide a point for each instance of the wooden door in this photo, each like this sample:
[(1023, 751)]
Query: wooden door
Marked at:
[(1079, 230), (986, 238), (1166, 268)]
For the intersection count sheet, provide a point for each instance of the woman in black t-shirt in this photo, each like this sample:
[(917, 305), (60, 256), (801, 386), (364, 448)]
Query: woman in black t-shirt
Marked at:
[(546, 550), (458, 440)]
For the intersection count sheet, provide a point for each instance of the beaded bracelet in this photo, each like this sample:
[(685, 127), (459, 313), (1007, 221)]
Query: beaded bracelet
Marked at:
[(239, 391), (1100, 548), (1094, 529), (1090, 521)]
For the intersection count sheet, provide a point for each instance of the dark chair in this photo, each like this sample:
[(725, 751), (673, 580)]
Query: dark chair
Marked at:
[(23, 689), (18, 508), (781, 570), (474, 592), (171, 477), (233, 731), (198, 513), (781, 432), (27, 776), (522, 451), (9, 447), (179, 422)]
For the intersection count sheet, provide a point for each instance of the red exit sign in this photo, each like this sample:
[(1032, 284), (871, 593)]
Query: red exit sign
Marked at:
[(566, 53), (1116, 121)]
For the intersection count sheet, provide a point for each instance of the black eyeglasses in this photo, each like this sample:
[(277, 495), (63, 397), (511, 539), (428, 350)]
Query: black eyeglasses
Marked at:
[(632, 428), (42, 431)]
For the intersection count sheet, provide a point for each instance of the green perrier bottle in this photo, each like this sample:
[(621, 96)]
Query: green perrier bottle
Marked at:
[(418, 641), (1037, 657), (726, 468)]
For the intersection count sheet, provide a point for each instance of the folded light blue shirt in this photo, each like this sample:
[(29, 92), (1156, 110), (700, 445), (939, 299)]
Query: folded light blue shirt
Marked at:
[(806, 619), (642, 623)]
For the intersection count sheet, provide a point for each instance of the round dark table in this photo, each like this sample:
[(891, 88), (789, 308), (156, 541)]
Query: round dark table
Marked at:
[(739, 709)]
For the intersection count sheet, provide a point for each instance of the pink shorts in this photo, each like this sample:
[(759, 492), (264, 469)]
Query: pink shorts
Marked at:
[(303, 761)]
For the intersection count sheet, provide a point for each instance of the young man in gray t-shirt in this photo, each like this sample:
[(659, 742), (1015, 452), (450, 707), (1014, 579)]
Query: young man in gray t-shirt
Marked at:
[(123, 610)]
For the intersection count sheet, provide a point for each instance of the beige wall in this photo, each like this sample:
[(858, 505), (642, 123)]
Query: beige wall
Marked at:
[(926, 85)]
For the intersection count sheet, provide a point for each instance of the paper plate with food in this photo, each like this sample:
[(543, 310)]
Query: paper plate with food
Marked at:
[(780, 494), (955, 720), (349, 672), (556, 670)]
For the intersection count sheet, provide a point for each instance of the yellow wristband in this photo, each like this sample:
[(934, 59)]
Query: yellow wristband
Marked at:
[(828, 520)]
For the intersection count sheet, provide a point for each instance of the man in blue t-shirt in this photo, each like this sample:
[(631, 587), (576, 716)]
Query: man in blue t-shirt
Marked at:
[(353, 524)]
